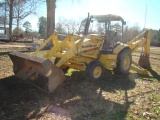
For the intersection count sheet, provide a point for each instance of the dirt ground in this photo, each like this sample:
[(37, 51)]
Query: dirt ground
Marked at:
[(130, 97)]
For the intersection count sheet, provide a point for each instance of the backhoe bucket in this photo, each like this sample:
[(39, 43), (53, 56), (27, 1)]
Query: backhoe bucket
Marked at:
[(28, 67), (144, 61)]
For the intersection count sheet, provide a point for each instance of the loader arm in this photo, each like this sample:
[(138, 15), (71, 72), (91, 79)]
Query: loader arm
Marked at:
[(54, 39), (61, 46)]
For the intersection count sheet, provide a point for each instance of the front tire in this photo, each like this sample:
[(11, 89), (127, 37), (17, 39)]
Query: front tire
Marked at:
[(95, 70)]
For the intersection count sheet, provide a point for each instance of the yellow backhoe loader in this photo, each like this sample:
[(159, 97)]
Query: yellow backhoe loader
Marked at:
[(93, 52)]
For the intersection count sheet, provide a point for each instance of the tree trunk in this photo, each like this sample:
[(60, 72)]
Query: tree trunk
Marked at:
[(17, 27), (51, 5), (10, 19)]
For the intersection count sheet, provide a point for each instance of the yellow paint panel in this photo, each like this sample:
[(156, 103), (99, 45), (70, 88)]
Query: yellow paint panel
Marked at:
[(109, 61), (117, 49)]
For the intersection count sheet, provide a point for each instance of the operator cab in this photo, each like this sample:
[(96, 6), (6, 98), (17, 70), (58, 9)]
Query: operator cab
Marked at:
[(109, 27)]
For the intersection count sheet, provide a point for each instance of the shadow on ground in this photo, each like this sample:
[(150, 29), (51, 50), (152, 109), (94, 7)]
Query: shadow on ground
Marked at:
[(154, 75), (77, 98), (87, 99)]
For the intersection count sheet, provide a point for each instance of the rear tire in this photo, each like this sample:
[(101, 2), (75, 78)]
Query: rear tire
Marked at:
[(124, 61), (95, 70)]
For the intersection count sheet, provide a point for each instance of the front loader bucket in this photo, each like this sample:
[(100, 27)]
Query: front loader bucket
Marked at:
[(28, 67), (144, 61)]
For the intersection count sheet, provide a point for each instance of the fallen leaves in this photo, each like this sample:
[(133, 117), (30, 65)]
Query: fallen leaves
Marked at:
[(149, 116)]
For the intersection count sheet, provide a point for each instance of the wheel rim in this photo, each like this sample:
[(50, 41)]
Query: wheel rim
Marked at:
[(126, 62), (97, 72)]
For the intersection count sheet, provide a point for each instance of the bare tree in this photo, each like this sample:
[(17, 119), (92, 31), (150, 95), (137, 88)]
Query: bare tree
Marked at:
[(69, 26), (131, 32), (82, 26), (22, 9), (75, 26), (60, 26), (18, 10), (3, 13)]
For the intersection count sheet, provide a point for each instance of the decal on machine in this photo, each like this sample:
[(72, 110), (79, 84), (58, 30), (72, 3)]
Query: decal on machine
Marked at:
[(87, 46)]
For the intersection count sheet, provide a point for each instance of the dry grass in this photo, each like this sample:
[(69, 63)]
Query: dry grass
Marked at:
[(113, 98)]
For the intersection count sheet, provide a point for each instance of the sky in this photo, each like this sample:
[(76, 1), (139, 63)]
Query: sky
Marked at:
[(133, 11)]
